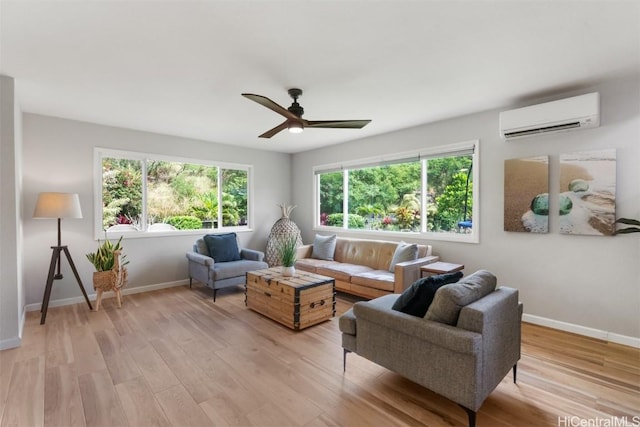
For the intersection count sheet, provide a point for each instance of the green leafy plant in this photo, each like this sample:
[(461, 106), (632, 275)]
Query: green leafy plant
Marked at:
[(287, 250), (628, 221), (103, 258), (184, 222)]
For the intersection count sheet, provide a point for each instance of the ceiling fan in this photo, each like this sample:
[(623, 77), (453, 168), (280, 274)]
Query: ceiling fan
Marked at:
[(294, 121)]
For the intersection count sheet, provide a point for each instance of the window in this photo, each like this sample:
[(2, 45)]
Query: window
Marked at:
[(144, 193), (425, 193)]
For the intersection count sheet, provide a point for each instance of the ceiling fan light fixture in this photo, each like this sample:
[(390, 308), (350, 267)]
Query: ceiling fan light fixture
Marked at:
[(295, 127)]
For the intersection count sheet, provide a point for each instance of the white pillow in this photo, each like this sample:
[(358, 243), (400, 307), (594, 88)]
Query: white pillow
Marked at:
[(324, 247), (404, 252)]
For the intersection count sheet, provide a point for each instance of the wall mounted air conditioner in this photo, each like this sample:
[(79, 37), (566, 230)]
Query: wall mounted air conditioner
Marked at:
[(578, 112)]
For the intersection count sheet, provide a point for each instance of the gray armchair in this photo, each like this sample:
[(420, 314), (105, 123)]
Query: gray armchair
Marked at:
[(218, 275), (463, 362)]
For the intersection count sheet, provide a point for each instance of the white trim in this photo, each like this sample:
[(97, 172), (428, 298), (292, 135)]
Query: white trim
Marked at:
[(15, 341), (582, 330), (413, 155), (126, 291), (10, 343)]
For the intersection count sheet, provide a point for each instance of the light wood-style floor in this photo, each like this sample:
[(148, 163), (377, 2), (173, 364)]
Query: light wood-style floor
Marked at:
[(174, 358)]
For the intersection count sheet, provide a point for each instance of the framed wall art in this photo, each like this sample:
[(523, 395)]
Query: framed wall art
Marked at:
[(587, 199), (526, 194)]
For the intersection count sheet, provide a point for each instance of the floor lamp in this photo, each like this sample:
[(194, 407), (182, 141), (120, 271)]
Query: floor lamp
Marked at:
[(58, 206)]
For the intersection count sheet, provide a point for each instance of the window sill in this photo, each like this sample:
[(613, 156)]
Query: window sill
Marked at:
[(446, 237), (111, 235)]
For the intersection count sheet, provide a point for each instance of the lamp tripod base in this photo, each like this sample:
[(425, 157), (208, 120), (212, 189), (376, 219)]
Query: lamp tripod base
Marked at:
[(55, 260)]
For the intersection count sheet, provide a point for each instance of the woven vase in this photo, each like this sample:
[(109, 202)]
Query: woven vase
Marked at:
[(283, 230)]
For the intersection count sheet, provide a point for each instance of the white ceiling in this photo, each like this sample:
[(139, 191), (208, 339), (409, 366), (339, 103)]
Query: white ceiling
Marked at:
[(179, 67)]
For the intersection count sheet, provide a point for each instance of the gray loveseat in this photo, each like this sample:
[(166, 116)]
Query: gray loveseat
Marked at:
[(463, 362), (218, 275)]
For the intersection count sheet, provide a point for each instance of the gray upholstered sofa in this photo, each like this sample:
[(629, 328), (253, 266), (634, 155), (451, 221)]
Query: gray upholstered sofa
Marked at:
[(464, 361), (218, 275)]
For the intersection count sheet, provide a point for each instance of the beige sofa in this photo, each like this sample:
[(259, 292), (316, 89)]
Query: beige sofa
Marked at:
[(361, 267)]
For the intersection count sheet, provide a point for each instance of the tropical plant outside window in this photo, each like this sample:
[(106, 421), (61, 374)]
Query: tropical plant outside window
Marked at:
[(176, 195), (393, 196)]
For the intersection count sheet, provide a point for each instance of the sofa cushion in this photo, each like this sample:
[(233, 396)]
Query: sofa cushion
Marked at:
[(404, 252), (226, 270), (416, 299), (377, 279), (324, 247), (222, 247), (342, 271), (312, 264), (450, 299)]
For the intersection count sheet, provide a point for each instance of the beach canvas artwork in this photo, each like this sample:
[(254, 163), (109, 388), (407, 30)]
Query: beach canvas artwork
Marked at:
[(587, 199), (526, 194)]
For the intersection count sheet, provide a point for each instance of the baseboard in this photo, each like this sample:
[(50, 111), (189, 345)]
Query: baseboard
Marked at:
[(92, 297), (10, 343), (582, 330), (15, 341)]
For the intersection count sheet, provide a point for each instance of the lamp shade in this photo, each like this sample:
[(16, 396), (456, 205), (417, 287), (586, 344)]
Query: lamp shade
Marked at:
[(57, 205)]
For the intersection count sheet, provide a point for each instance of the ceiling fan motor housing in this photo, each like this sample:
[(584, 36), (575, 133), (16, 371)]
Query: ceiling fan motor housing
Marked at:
[(295, 107)]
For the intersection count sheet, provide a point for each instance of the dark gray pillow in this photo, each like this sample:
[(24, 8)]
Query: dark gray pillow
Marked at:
[(416, 299), (450, 299), (404, 252), (324, 247), (222, 247)]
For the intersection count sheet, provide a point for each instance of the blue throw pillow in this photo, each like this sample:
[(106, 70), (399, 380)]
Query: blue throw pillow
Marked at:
[(416, 299), (222, 247)]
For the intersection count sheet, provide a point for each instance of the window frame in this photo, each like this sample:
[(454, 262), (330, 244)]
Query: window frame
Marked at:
[(421, 155), (99, 233)]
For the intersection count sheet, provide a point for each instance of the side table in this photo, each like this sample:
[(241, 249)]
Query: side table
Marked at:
[(440, 268)]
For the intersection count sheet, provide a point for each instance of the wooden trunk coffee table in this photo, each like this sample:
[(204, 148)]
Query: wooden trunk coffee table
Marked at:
[(296, 302)]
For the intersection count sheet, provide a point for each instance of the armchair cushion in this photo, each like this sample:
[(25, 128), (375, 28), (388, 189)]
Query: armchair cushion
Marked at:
[(222, 247), (450, 299), (404, 252), (417, 298)]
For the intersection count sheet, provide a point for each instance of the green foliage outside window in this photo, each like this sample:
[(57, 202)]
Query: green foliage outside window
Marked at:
[(184, 222), (389, 197), (177, 193)]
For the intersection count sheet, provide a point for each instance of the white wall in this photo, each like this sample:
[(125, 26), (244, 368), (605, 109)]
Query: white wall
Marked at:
[(590, 281), (11, 294), (58, 156)]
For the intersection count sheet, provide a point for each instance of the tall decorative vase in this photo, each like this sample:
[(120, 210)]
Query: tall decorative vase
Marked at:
[(283, 230)]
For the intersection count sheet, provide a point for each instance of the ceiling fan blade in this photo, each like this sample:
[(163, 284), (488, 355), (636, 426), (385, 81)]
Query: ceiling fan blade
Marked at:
[(266, 102), (282, 126), (344, 124)]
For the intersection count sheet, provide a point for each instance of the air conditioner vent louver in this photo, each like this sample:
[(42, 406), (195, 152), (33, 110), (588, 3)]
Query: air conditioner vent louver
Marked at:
[(578, 112)]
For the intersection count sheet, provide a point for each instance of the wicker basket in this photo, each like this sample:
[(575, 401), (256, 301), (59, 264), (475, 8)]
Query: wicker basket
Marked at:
[(104, 280), (283, 230)]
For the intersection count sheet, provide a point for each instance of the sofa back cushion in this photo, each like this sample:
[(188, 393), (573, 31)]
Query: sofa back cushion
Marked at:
[(450, 299), (376, 254)]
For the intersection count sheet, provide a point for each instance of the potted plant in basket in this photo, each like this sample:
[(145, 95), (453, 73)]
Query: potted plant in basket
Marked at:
[(287, 250), (110, 274)]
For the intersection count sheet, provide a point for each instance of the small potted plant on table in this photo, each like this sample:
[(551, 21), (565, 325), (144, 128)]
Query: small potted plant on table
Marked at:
[(287, 250)]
